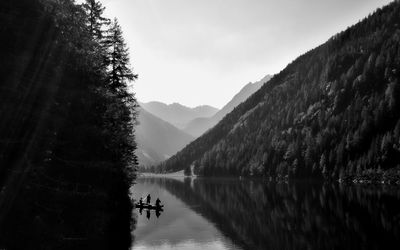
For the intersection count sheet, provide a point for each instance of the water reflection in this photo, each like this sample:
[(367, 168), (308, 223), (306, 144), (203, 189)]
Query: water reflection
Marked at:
[(178, 227), (157, 212), (148, 214), (264, 215)]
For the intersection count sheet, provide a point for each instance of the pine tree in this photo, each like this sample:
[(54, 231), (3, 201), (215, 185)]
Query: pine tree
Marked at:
[(97, 25), (121, 112), (95, 19), (120, 72)]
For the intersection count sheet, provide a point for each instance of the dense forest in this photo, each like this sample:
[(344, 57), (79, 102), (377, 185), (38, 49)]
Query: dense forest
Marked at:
[(67, 146), (331, 113)]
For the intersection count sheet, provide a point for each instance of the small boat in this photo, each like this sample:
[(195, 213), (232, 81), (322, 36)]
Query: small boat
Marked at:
[(149, 206)]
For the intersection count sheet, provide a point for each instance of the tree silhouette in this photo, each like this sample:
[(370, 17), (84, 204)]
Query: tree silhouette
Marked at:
[(95, 20), (119, 72)]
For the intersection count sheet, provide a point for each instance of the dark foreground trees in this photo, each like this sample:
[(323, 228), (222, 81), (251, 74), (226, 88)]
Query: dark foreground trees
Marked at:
[(66, 134)]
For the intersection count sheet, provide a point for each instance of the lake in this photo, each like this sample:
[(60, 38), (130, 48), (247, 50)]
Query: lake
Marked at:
[(235, 214)]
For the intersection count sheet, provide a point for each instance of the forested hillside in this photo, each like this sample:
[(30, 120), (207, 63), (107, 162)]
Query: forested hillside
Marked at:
[(332, 112), (66, 130)]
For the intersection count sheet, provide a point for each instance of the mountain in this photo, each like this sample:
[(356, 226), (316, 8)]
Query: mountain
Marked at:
[(177, 114), (199, 125), (157, 139), (331, 113)]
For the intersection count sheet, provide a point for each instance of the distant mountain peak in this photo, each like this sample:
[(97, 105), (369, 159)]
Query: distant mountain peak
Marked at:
[(157, 139), (177, 104), (177, 114), (200, 125)]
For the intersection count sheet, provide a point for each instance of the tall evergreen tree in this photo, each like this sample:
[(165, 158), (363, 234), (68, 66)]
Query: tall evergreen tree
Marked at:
[(120, 72), (95, 19), (121, 111), (97, 25)]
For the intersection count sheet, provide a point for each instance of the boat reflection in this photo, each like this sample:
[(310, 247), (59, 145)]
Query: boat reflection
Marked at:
[(157, 212), (266, 215)]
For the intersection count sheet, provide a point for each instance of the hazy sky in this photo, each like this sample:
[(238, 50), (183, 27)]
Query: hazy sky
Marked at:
[(204, 51)]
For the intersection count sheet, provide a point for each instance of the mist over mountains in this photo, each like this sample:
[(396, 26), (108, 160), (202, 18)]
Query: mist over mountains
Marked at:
[(157, 139), (159, 134), (177, 114), (200, 125)]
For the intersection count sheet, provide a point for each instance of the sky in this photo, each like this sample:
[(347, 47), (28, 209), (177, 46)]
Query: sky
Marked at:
[(202, 52)]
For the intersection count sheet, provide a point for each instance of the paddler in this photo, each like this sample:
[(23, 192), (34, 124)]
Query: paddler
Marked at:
[(158, 203)]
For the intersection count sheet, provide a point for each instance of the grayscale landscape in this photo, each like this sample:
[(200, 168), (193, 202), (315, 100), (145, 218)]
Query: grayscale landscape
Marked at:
[(199, 125)]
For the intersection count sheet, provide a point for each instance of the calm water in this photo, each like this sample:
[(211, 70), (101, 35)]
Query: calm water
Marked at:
[(244, 214)]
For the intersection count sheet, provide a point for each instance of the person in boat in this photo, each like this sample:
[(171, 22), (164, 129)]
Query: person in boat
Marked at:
[(141, 201), (148, 198), (158, 203)]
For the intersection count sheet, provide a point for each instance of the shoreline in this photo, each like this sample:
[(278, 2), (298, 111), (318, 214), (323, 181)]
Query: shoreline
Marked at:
[(371, 177), (178, 174)]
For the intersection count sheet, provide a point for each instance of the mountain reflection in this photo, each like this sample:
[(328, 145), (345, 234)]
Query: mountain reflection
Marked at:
[(267, 215)]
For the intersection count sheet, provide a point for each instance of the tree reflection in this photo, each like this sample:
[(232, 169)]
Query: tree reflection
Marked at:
[(267, 215)]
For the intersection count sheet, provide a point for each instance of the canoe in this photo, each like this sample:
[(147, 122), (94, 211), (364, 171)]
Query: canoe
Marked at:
[(149, 206)]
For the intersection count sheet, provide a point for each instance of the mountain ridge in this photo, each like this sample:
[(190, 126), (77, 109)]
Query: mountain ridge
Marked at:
[(200, 125), (157, 139), (178, 114), (330, 113)]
